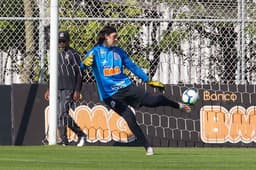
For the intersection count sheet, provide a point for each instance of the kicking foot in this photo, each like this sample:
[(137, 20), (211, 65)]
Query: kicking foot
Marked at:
[(81, 141), (185, 107)]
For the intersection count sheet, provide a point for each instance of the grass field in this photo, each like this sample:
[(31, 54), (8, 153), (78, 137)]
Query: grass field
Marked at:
[(122, 158)]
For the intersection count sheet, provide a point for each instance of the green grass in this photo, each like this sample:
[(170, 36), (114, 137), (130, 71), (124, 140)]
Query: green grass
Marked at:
[(123, 158)]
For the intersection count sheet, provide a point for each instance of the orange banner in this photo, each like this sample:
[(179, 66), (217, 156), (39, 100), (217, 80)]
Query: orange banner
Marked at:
[(218, 125), (99, 123)]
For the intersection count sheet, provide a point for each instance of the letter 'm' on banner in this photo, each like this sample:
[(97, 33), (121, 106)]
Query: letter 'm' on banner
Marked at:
[(99, 123)]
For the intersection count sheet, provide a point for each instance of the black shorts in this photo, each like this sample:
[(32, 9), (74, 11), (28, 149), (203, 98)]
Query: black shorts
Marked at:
[(131, 95)]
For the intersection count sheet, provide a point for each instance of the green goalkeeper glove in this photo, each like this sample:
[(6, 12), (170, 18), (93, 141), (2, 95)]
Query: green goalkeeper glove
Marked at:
[(88, 61), (156, 84)]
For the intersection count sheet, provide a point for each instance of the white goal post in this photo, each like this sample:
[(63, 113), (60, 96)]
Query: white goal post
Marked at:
[(53, 70)]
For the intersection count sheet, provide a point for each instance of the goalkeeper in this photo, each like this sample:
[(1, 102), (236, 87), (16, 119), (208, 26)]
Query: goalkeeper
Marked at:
[(116, 89)]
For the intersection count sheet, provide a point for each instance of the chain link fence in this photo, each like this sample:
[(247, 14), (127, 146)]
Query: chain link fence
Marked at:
[(175, 41)]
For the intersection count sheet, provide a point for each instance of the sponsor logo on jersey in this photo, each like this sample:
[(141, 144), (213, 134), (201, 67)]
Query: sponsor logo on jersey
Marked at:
[(102, 51), (113, 104), (111, 71), (104, 62), (119, 85), (116, 56)]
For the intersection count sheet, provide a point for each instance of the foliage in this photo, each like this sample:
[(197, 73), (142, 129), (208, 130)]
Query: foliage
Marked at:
[(11, 31), (172, 40), (84, 33), (251, 29), (175, 3), (12, 8)]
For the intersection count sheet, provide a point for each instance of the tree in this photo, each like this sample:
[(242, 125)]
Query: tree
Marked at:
[(225, 36), (11, 35), (84, 32), (30, 44), (18, 37)]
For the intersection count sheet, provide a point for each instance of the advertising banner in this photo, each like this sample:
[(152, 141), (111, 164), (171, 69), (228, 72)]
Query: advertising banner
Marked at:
[(224, 116), (5, 115)]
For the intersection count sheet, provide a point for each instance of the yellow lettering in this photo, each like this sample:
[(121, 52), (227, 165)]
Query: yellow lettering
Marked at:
[(207, 95), (219, 96), (233, 97)]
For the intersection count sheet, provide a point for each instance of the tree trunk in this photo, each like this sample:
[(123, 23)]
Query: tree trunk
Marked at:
[(27, 67)]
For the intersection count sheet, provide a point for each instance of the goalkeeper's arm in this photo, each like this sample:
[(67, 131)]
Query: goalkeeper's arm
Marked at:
[(87, 61), (156, 84), (139, 72)]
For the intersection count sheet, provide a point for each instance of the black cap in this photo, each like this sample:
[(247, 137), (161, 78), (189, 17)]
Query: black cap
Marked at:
[(64, 35)]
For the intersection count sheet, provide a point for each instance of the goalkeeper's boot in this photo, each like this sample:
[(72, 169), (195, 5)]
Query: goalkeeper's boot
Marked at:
[(81, 141), (185, 107), (149, 151)]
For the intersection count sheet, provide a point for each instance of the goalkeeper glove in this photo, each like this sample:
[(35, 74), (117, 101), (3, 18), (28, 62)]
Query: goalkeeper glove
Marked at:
[(156, 84), (88, 61)]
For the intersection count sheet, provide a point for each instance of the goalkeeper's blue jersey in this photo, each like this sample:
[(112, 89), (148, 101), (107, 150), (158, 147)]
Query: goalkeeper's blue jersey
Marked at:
[(108, 65)]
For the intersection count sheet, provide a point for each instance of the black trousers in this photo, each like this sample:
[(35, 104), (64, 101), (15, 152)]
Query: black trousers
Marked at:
[(64, 119), (136, 97)]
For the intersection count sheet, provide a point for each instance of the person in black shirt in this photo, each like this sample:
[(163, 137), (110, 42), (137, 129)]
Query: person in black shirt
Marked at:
[(69, 87)]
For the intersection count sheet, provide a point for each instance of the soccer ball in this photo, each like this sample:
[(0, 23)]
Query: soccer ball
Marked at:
[(190, 96)]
